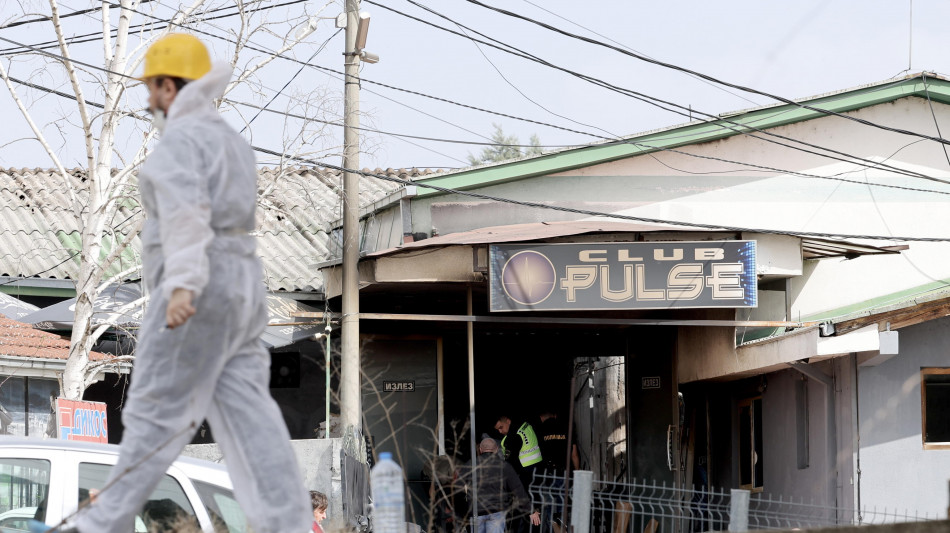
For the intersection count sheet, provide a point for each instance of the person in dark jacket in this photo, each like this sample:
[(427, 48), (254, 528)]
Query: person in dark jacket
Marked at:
[(499, 490)]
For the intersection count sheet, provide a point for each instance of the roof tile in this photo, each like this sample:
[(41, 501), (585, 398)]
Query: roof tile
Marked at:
[(23, 340)]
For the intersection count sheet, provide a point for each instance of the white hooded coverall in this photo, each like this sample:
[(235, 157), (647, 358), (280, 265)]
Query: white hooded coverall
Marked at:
[(199, 190)]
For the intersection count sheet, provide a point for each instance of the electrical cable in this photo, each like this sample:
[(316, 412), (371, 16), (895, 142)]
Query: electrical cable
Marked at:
[(44, 19), (685, 111), (38, 274), (706, 76), (633, 143), (475, 42), (934, 115), (97, 36), (559, 68), (642, 145), (523, 203), (626, 142), (585, 28), (292, 78), (533, 58)]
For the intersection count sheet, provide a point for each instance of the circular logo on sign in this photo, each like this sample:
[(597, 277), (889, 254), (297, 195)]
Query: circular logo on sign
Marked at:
[(528, 277)]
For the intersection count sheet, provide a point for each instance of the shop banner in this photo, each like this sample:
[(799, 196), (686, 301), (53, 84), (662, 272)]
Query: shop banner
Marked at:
[(82, 421), (614, 276)]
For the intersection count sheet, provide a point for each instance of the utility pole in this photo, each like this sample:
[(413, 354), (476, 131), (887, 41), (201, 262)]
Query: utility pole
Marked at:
[(350, 400)]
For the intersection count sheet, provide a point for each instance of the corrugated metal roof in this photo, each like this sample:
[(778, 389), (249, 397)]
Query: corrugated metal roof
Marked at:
[(39, 232)]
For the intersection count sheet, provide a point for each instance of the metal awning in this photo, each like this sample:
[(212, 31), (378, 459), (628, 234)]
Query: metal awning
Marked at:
[(812, 248), (823, 249), (122, 306)]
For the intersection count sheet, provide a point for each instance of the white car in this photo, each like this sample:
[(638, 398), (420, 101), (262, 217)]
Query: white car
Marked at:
[(46, 480)]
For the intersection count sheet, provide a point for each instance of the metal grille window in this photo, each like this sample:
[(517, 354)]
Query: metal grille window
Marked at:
[(750, 443), (934, 399)]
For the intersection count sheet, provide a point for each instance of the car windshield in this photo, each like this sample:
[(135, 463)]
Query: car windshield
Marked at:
[(223, 509)]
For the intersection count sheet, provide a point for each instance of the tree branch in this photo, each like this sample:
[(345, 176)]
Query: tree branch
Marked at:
[(77, 208), (77, 88)]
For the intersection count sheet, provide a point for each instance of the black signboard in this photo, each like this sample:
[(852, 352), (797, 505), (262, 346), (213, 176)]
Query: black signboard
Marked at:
[(636, 275)]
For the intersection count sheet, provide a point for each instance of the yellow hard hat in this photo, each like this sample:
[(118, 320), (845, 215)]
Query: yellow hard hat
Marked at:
[(177, 55)]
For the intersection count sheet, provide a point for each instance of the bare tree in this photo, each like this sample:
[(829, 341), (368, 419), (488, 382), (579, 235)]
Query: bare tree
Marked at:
[(115, 133)]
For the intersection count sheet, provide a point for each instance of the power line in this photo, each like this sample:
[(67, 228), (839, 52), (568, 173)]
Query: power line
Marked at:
[(633, 143), (594, 80), (97, 36), (575, 23), (534, 58), (706, 76), (587, 78), (639, 145), (292, 78), (587, 212), (475, 42), (715, 120), (44, 19)]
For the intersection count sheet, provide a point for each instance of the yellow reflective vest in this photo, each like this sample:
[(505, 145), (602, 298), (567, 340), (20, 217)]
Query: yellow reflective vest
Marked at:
[(530, 453)]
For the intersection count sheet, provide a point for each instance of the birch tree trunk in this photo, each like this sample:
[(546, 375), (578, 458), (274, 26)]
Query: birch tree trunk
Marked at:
[(95, 205)]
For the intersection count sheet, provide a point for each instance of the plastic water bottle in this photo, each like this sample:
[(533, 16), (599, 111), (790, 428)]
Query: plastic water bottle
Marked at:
[(389, 504)]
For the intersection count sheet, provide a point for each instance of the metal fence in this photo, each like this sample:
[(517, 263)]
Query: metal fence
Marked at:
[(649, 507)]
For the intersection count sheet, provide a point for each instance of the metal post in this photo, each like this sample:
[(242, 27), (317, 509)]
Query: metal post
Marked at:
[(350, 408), (582, 495), (327, 379), (570, 447), (739, 510), (471, 404)]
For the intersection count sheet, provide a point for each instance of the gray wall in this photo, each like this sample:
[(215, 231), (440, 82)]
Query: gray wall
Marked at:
[(782, 475), (896, 471)]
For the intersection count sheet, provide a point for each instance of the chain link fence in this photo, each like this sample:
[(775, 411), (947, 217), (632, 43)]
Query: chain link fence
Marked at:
[(643, 506)]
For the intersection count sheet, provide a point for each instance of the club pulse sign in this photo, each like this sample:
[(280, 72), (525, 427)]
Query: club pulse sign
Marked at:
[(637, 275)]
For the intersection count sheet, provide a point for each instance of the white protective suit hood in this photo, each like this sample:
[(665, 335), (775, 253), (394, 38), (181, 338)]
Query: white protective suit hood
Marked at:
[(197, 97)]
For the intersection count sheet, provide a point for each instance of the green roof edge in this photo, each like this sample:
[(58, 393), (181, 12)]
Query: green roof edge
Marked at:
[(868, 307), (938, 90)]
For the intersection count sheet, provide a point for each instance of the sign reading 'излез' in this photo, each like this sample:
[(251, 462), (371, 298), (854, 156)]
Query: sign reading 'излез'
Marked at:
[(637, 275)]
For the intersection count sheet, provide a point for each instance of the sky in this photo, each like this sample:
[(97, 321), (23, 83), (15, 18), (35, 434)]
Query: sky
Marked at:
[(789, 48)]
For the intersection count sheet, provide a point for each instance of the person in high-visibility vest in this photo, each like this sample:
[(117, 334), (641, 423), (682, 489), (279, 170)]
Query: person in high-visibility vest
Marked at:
[(522, 451)]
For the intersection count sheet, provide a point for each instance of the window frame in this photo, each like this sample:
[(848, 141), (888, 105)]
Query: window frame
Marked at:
[(924, 372)]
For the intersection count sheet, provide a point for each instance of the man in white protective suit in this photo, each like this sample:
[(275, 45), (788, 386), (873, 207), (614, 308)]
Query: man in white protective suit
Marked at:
[(199, 353)]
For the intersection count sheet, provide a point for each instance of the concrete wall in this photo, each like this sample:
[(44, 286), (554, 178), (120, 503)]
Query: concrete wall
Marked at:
[(782, 475), (896, 471), (781, 472)]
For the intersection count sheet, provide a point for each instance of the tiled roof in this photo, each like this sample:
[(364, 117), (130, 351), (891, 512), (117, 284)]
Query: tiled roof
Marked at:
[(22, 340), (39, 231)]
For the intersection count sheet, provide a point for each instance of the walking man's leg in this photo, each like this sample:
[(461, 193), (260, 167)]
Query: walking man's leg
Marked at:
[(171, 390), (250, 429)]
